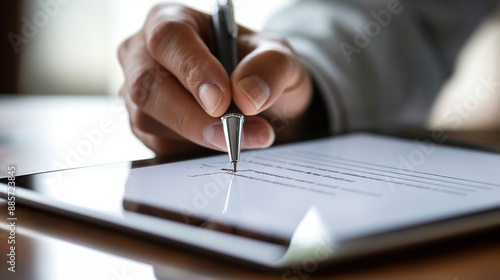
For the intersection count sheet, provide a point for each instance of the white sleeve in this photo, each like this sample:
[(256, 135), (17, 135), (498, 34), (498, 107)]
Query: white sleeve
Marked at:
[(379, 63)]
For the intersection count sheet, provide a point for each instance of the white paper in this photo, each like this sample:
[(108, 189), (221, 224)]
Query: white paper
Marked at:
[(359, 184)]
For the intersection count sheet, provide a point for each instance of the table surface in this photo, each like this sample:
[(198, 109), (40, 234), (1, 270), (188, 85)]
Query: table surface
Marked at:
[(43, 133)]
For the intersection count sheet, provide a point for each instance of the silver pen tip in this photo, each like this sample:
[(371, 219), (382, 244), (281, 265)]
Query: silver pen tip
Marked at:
[(234, 166)]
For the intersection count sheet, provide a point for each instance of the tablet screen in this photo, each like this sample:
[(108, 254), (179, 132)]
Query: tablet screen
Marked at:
[(358, 185), (345, 188)]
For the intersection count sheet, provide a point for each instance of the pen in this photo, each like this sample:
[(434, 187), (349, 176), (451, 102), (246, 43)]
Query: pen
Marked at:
[(225, 34)]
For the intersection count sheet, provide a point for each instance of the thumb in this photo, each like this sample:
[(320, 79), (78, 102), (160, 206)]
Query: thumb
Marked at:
[(271, 74)]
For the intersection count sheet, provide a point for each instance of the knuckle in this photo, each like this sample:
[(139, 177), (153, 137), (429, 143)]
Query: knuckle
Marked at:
[(141, 86), (138, 96), (191, 69), (165, 35)]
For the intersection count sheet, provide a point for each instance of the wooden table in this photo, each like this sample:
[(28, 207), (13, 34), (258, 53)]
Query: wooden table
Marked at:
[(54, 247)]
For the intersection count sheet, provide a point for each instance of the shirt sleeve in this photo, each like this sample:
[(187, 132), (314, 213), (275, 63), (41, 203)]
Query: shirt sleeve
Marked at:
[(379, 64)]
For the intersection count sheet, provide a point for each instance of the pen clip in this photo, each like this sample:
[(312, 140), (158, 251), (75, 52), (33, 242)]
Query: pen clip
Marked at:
[(225, 7)]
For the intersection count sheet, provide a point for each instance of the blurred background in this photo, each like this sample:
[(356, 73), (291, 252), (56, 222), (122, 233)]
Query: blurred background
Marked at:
[(69, 46)]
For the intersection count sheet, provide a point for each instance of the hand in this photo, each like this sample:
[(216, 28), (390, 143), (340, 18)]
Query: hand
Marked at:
[(175, 90)]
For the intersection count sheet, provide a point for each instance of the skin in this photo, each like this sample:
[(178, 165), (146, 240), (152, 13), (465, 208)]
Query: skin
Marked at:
[(175, 89)]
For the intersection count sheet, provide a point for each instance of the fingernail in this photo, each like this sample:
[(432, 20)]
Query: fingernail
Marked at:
[(214, 135), (267, 137), (257, 135), (210, 96), (256, 89)]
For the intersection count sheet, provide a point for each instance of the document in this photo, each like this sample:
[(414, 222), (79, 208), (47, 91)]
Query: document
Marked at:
[(357, 184)]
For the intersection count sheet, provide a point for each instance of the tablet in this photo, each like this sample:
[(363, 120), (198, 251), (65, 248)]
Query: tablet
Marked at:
[(299, 205)]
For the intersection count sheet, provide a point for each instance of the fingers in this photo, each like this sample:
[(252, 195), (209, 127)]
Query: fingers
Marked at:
[(174, 87), (270, 75), (257, 133), (162, 112), (157, 93), (173, 38), (160, 95), (156, 136)]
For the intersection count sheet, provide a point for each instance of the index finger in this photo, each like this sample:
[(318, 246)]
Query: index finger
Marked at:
[(174, 39)]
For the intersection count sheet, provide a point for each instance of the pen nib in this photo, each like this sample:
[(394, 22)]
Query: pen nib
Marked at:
[(234, 166)]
